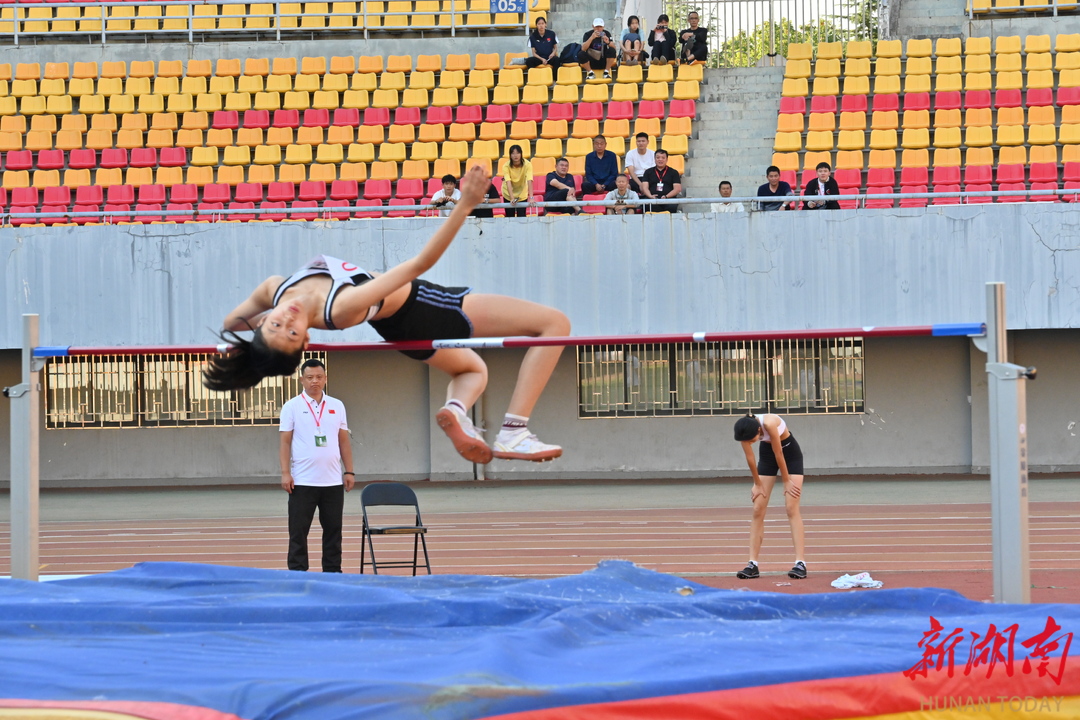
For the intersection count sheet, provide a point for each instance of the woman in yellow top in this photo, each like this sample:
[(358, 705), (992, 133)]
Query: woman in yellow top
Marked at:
[(517, 177)]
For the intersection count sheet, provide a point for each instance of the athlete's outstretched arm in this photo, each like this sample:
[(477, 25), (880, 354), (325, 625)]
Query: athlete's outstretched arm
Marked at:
[(354, 302), (247, 313)]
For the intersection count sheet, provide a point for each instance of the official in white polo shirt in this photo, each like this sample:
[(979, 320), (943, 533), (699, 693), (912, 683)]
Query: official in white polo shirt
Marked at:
[(316, 467)]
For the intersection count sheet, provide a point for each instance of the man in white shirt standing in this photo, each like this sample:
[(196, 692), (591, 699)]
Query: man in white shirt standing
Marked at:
[(638, 160), (315, 449), (725, 191)]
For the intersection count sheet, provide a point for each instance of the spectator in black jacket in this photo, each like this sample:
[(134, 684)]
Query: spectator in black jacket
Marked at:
[(817, 189), (662, 41), (544, 46), (695, 41)]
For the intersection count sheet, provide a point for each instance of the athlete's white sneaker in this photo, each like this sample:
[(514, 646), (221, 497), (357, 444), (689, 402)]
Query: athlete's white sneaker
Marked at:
[(466, 438), (523, 445)]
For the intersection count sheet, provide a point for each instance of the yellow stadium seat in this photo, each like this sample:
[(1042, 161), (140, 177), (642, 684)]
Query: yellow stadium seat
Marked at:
[(537, 76), (595, 93), (360, 153), (852, 121), (857, 67), (800, 51), (307, 83), (916, 84), (392, 152), (859, 49), (526, 129), (78, 87), (1004, 45), (58, 105), (882, 139), (426, 152), (365, 81), (578, 147), (679, 144), (180, 103), (949, 83), (629, 74), (129, 138), (279, 83), (916, 138), (552, 129), (39, 140), (383, 170), (46, 178), (353, 171), (488, 131), (401, 134), (297, 100), (916, 119), (504, 95), (815, 140), (419, 80), (859, 85), (280, 136), (818, 122), (237, 155), (1010, 135), (790, 161), (851, 140), (1039, 79), (204, 156), (948, 65), (268, 155), (310, 135), (461, 62), (384, 99), (65, 22), (797, 69), (1008, 63), (208, 102), (1038, 61), (947, 47), (884, 120), (887, 66), (947, 157), (1042, 134), (977, 137), (977, 81), (655, 91), (204, 17), (788, 142), (887, 84), (189, 137), (882, 159), (694, 73), (298, 154), (1064, 61), (1009, 81), (889, 49), (534, 94), (565, 94), (822, 86), (919, 66), (920, 48), (1043, 154), (977, 64), (1069, 78), (474, 96)]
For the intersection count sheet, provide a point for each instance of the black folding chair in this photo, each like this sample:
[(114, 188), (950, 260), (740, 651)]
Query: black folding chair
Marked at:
[(391, 493)]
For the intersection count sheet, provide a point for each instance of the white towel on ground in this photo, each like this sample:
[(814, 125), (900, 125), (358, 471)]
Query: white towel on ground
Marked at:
[(862, 580)]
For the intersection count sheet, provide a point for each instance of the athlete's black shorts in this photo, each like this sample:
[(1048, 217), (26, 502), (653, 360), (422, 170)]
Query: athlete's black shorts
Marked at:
[(767, 466), (432, 312)]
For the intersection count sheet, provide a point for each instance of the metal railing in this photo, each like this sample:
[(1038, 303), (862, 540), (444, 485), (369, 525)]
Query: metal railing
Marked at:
[(989, 8), (290, 21)]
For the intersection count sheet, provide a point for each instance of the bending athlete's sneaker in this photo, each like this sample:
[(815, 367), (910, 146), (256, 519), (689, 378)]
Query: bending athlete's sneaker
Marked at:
[(466, 438), (798, 572), (749, 572), (523, 445)]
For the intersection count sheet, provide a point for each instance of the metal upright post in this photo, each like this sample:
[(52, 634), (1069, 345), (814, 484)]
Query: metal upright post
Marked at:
[(24, 459), (1006, 384)]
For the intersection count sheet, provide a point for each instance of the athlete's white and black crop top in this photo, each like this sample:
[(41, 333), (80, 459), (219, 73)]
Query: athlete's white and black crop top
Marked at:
[(341, 272), (780, 430)]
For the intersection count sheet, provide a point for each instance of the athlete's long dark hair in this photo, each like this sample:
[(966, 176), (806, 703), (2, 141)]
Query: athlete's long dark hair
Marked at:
[(247, 362), (746, 428)]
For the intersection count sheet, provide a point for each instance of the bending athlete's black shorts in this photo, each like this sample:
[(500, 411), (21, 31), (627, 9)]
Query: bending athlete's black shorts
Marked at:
[(767, 465), (432, 312)]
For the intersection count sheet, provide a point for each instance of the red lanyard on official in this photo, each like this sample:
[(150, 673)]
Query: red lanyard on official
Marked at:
[(660, 177), (318, 420)]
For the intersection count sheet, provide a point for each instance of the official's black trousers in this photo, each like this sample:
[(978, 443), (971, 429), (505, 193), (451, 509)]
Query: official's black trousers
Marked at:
[(303, 502)]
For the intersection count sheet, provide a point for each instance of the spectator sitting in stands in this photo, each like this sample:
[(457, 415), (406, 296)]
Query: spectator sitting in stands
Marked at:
[(560, 187), (446, 198), (721, 207), (490, 198), (545, 47), (695, 41), (517, 182), (824, 184), (662, 41), (630, 42), (662, 181), (620, 195), (774, 188), (601, 168), (597, 51), (638, 160)]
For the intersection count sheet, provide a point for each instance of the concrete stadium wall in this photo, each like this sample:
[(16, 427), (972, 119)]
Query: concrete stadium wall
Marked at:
[(949, 18), (925, 398)]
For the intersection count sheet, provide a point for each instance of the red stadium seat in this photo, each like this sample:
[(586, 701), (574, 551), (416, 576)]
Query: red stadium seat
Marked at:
[(978, 174), (848, 177), (565, 111), (24, 196), (55, 219), (886, 103), (976, 99), (1043, 172), (242, 217), (410, 188), (797, 105), (879, 203), (114, 158), (438, 116), (1012, 173), (1039, 97), (499, 113), (276, 217), (57, 196), (50, 159), (217, 193), (176, 207), (281, 192), (338, 204), (257, 119), (1072, 185), (17, 222), (590, 111), (152, 194), (594, 209), (1068, 96), (120, 195), (313, 190), (83, 219), (807, 175), (22, 160), (788, 176), (681, 108), (469, 114), (406, 116), (377, 116), (287, 119), (978, 187), (80, 159), (320, 117), (206, 211), (368, 202), (350, 117), (249, 192), (947, 188), (913, 202), (1014, 186), (849, 204), (90, 195), (186, 193), (147, 219), (401, 213), (1008, 99), (649, 109), (345, 190), (848, 103), (881, 177), (1045, 186), (117, 213), (616, 110), (914, 176), (1072, 172), (947, 175), (172, 157), (377, 190), (916, 101), (144, 157), (530, 112), (949, 100), (226, 120), (3, 197), (823, 104)]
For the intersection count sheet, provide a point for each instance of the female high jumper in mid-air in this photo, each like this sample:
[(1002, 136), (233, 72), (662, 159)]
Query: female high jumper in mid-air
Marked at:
[(332, 294)]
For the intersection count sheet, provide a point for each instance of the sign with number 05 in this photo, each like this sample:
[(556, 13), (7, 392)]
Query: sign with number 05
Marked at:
[(508, 6)]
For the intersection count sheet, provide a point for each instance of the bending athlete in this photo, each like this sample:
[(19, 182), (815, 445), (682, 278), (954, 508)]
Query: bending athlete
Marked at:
[(779, 454), (332, 294)]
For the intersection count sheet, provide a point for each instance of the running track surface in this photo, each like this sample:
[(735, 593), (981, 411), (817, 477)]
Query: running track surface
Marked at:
[(903, 545)]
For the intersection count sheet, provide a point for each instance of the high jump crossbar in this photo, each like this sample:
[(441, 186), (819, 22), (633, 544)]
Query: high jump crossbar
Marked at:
[(485, 343)]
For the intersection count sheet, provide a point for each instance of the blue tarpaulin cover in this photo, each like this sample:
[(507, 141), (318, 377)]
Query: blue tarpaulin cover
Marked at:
[(289, 646)]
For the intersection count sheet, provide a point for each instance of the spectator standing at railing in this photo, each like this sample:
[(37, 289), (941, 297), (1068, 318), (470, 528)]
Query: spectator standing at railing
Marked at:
[(638, 160), (560, 187), (545, 47), (662, 182), (490, 198), (517, 182), (727, 207), (775, 187), (601, 168), (631, 43), (445, 199), (597, 51), (621, 195), (695, 41), (816, 191), (662, 41)]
